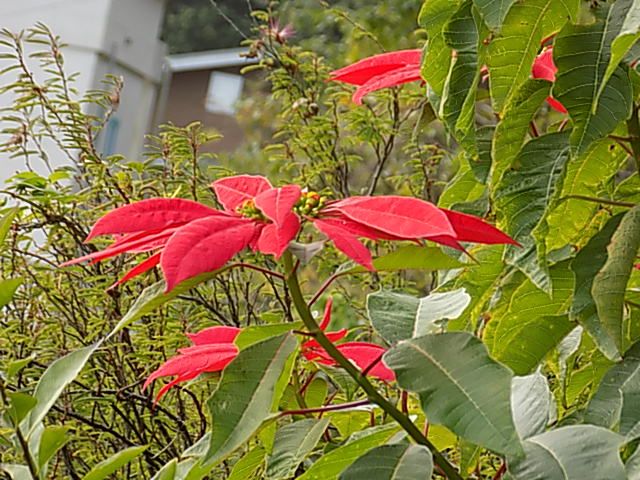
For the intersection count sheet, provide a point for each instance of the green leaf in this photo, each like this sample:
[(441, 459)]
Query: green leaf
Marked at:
[(16, 472), (531, 399), (331, 464), (587, 263), (450, 372), (247, 467), (8, 289), (433, 16), (615, 403), (292, 445), (153, 297), (458, 97), (623, 23), (512, 52), (316, 393), (633, 466), (582, 53), (245, 394), (533, 324), (464, 187), (411, 257), (257, 333), (52, 440), (399, 317), (392, 462), (6, 221), (610, 283), (586, 175), (493, 11), (512, 129), (20, 404), (109, 466), (53, 381), (479, 281), (522, 198), (571, 453)]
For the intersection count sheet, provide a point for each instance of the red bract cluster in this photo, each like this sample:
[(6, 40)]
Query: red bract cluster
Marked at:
[(213, 349), (190, 238), (403, 66)]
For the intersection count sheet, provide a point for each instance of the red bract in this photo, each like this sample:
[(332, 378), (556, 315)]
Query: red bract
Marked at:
[(366, 356), (213, 350), (544, 68), (194, 238), (380, 71)]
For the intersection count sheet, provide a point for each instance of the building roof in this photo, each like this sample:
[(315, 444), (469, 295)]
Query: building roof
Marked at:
[(229, 57)]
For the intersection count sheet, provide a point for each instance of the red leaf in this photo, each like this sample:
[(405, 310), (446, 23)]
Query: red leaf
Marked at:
[(234, 191), (275, 239), (190, 363), (139, 269), (469, 228), (326, 317), (312, 349), (410, 73), (404, 217), (213, 335), (346, 243), (338, 220), (151, 214), (361, 72), (545, 68), (137, 244), (203, 246), (277, 203), (363, 355)]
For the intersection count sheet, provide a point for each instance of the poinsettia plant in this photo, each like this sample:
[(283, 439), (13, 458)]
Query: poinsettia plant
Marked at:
[(449, 254)]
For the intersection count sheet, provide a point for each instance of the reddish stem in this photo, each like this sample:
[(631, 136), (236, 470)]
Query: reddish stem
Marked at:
[(327, 408)]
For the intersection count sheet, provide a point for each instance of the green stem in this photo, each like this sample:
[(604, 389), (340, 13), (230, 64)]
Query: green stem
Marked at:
[(633, 125), (372, 393)]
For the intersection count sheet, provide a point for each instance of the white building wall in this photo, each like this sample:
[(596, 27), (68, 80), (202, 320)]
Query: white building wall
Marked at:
[(119, 37)]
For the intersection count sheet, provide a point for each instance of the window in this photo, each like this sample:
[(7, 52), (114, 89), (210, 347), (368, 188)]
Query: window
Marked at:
[(223, 92)]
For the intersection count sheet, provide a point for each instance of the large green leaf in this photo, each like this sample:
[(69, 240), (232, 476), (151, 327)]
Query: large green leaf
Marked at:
[(512, 129), (450, 373), (577, 452), (585, 266), (616, 401), (53, 381), (292, 444), (493, 11), (586, 175), (582, 54), (6, 221), (8, 289), (331, 464), (107, 467), (458, 98), (392, 462), (257, 333), (399, 317), (522, 198), (463, 188), (531, 402), (533, 324), (633, 466), (16, 472), (245, 394), (411, 257), (610, 283), (437, 57), (53, 438), (512, 52), (623, 23)]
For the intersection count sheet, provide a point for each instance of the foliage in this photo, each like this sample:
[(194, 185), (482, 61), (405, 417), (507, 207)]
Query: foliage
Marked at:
[(502, 361)]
